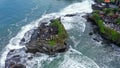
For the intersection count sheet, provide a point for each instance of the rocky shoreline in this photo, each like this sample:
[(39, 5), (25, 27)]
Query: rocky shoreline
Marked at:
[(107, 20)]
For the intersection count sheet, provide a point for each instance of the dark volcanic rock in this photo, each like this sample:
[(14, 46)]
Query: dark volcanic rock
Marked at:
[(48, 39), (91, 33)]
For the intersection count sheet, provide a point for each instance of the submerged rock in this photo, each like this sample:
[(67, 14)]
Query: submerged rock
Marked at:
[(48, 39)]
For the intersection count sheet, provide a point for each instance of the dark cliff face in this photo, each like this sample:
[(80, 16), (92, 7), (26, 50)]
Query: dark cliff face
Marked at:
[(48, 39)]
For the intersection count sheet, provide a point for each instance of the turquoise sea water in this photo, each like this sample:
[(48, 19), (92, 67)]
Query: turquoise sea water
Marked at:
[(84, 52)]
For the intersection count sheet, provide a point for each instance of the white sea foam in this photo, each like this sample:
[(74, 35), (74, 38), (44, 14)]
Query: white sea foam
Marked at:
[(74, 59), (14, 43), (68, 22), (36, 62), (84, 7)]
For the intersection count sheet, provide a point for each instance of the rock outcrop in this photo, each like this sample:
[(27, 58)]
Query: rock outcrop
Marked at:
[(48, 38), (108, 22)]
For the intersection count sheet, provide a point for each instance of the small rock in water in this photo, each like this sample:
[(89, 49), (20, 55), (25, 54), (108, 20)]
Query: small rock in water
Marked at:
[(70, 15), (23, 40), (96, 39), (91, 33)]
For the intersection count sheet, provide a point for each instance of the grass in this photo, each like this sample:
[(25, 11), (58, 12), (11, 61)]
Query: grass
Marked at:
[(62, 34), (52, 42)]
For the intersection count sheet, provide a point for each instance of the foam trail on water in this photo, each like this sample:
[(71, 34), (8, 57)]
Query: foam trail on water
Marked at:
[(68, 22)]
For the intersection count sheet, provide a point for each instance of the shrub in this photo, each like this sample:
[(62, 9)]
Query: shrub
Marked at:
[(118, 20), (62, 34)]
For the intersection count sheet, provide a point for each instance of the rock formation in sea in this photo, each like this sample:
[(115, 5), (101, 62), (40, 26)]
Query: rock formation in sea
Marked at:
[(48, 38)]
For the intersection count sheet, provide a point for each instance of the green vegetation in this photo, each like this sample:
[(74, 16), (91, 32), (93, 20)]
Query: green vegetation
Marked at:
[(108, 33), (101, 0), (110, 10), (62, 34), (113, 1), (52, 42), (118, 20), (61, 30)]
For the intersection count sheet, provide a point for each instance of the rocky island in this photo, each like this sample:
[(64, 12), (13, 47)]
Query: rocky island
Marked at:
[(49, 39), (106, 16)]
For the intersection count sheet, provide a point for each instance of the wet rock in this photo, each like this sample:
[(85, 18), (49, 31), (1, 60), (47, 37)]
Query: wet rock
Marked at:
[(23, 40), (15, 58), (70, 15), (30, 58), (96, 39), (91, 33)]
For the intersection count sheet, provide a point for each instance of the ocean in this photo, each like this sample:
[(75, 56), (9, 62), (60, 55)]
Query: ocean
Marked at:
[(17, 17)]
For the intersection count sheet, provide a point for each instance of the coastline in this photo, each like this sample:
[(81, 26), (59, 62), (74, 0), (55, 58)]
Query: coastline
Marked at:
[(99, 19)]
